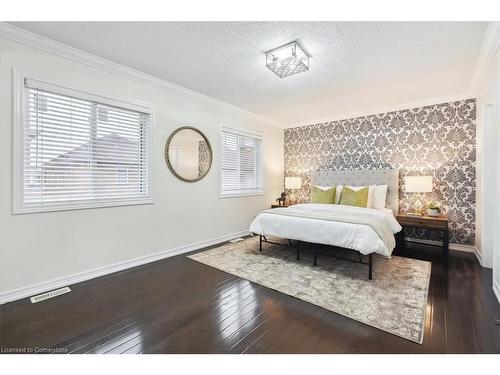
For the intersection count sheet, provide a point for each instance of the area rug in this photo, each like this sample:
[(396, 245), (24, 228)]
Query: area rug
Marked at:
[(394, 301)]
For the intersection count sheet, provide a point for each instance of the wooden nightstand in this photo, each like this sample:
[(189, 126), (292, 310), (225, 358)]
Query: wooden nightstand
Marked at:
[(438, 223)]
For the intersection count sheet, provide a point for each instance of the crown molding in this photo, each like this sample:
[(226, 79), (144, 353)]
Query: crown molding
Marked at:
[(16, 34), (379, 110), (489, 49)]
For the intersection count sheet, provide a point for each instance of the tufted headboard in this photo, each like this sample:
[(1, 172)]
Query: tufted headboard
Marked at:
[(389, 177)]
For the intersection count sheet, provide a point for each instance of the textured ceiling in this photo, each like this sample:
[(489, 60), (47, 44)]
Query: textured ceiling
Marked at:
[(355, 66)]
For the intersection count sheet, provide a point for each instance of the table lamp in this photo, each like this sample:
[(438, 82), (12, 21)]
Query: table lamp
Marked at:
[(418, 185), (293, 183)]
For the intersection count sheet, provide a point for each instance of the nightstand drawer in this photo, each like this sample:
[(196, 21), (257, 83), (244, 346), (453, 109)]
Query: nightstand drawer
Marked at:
[(423, 223)]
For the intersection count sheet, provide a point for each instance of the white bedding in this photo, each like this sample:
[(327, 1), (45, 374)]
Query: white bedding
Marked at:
[(348, 235)]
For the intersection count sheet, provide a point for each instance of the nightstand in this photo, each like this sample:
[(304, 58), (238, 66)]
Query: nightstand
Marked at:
[(437, 223)]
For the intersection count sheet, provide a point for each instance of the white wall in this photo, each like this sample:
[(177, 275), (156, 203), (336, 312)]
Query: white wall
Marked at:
[(36, 248), (488, 158)]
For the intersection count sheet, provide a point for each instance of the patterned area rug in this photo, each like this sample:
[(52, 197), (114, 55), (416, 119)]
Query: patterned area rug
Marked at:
[(394, 301)]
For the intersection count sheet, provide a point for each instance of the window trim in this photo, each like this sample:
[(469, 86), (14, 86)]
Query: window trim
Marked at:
[(18, 123), (248, 133)]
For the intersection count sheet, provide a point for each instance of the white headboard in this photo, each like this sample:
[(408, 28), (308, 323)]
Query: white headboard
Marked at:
[(389, 177)]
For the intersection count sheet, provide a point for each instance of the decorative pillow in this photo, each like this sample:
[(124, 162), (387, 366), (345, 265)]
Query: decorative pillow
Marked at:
[(371, 190), (379, 196), (351, 197), (323, 187), (321, 195)]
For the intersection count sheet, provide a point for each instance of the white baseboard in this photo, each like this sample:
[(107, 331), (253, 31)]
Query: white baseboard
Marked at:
[(496, 290), (453, 246), (59, 282)]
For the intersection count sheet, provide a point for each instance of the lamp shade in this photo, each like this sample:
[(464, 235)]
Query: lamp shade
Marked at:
[(418, 184), (293, 182)]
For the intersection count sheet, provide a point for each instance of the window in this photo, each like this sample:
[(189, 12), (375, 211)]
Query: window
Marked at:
[(121, 176), (80, 150), (241, 163)]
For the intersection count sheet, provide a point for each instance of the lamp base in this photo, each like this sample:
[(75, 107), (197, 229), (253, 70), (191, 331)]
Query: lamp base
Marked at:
[(414, 213), (291, 199), (417, 208)]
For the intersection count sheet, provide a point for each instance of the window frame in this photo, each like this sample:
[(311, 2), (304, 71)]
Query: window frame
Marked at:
[(19, 117), (247, 133)]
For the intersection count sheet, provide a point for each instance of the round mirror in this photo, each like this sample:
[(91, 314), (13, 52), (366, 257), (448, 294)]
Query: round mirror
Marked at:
[(188, 154)]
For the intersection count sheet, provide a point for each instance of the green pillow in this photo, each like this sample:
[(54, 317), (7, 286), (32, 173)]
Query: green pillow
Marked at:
[(350, 197), (323, 196)]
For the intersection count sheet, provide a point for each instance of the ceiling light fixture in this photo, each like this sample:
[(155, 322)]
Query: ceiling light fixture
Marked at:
[(287, 60)]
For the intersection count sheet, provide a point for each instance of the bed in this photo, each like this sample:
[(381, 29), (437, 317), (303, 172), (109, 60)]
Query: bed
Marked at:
[(365, 230)]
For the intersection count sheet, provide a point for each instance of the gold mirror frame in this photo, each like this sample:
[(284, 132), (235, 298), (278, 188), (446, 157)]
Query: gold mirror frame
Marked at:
[(167, 159)]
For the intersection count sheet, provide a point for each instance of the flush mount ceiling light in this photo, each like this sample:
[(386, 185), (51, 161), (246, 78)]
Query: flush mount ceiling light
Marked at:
[(287, 60)]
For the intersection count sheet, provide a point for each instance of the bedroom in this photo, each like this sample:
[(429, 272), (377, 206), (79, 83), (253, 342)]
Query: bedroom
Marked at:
[(249, 187)]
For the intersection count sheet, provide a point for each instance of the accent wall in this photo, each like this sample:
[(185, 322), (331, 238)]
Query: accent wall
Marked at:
[(437, 140)]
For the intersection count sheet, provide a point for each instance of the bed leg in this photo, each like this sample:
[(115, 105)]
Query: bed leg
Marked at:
[(370, 267), (260, 243), (315, 255)]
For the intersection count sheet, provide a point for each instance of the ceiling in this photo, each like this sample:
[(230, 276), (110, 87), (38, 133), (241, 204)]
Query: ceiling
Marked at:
[(355, 67)]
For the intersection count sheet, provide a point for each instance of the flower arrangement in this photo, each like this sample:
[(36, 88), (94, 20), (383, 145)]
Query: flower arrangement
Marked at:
[(433, 209)]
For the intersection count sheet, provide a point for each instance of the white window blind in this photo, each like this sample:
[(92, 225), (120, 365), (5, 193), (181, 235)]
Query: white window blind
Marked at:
[(78, 151), (241, 163)]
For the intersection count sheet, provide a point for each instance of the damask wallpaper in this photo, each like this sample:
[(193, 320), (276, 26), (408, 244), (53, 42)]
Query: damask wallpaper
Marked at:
[(437, 140)]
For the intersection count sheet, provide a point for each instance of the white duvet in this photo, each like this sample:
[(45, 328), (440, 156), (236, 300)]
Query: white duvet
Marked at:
[(337, 233)]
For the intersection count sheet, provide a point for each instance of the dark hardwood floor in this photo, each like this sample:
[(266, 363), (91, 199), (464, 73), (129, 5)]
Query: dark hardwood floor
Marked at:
[(180, 306)]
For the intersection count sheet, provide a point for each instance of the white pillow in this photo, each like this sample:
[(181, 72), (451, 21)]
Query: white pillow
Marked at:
[(337, 194), (379, 196), (324, 188)]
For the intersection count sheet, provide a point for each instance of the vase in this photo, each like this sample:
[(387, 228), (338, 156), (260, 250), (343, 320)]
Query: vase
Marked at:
[(432, 212)]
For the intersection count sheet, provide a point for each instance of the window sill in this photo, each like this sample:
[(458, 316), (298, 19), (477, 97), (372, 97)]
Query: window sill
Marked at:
[(78, 206), (239, 195)]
